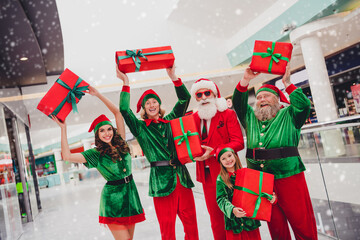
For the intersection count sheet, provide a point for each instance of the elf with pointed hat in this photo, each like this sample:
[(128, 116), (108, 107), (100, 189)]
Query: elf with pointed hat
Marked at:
[(218, 126), (273, 134), (120, 206), (170, 183)]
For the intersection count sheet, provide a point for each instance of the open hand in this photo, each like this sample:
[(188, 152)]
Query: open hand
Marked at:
[(286, 77), (93, 91), (171, 73), (122, 76), (61, 124), (238, 212), (274, 198), (206, 155)]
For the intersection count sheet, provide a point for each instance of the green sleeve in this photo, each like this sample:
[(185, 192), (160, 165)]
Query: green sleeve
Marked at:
[(241, 106), (130, 119), (222, 198), (299, 107), (182, 104), (92, 158)]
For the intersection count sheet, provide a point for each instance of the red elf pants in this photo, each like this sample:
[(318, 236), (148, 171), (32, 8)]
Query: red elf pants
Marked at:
[(181, 202), (244, 235), (294, 205), (216, 215)]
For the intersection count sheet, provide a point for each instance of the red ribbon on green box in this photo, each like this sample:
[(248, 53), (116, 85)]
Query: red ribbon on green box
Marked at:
[(137, 54), (75, 92), (260, 195), (274, 56), (185, 137)]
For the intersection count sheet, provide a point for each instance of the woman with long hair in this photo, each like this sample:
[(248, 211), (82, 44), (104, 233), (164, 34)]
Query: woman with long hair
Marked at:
[(237, 226), (120, 206), (170, 182)]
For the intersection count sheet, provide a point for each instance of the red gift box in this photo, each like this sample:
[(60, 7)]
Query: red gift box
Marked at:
[(63, 95), (271, 57), (186, 138), (248, 182), (144, 59)]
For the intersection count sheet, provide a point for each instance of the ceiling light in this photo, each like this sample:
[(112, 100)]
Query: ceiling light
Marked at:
[(24, 59)]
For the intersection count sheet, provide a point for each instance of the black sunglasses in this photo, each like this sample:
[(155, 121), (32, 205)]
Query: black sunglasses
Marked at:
[(206, 93)]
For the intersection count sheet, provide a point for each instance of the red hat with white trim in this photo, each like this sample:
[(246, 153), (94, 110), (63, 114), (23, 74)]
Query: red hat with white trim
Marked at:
[(146, 96), (208, 84), (98, 122), (275, 90)]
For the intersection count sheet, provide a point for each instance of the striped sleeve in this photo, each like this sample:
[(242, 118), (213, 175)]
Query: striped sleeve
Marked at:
[(92, 158)]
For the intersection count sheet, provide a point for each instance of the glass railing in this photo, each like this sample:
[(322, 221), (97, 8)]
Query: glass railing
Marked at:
[(331, 153)]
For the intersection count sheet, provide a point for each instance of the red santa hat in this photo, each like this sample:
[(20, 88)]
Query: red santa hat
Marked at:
[(273, 89), (98, 122), (146, 96), (208, 84)]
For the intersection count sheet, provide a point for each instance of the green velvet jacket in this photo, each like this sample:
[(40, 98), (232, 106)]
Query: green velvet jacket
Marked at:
[(281, 131), (157, 143), (224, 197)]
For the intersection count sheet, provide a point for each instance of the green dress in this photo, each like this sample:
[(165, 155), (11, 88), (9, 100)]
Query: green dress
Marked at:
[(119, 204), (157, 143), (281, 131), (224, 197)]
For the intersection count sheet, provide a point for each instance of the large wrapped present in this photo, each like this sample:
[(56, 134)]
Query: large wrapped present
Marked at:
[(271, 57), (144, 59), (186, 138), (252, 191), (63, 96)]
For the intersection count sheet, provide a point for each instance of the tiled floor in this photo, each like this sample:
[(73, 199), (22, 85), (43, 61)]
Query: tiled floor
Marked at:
[(71, 212)]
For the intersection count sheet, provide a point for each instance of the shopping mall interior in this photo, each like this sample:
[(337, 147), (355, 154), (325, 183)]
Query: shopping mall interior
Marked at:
[(43, 196)]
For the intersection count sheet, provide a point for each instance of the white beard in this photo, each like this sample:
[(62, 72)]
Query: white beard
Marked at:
[(266, 113), (207, 111)]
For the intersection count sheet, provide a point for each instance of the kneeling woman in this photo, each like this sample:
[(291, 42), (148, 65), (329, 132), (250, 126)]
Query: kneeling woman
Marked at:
[(120, 206), (237, 226)]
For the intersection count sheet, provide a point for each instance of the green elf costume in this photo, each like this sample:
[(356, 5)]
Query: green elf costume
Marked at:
[(272, 148), (170, 182), (119, 202), (236, 228)]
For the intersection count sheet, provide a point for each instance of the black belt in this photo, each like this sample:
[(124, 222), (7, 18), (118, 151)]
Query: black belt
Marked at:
[(273, 153), (161, 164), (121, 181)]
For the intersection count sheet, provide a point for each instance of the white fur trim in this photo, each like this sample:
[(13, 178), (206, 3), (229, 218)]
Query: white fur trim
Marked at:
[(203, 84), (221, 104)]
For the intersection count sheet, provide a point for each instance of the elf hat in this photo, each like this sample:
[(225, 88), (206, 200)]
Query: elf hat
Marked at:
[(146, 96), (208, 84), (273, 89), (220, 151), (98, 122)]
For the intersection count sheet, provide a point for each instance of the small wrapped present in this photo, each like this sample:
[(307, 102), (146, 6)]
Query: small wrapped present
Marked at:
[(63, 96), (271, 57), (144, 59), (186, 138), (252, 191)]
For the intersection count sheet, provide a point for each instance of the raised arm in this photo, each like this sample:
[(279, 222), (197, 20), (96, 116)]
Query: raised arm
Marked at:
[(65, 150), (182, 93), (113, 108)]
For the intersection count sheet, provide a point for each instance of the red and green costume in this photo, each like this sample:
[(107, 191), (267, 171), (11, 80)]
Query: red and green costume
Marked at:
[(282, 131), (169, 185)]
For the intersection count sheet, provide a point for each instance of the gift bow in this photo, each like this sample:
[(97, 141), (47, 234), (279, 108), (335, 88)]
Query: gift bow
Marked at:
[(75, 92), (185, 137), (136, 54), (274, 56), (260, 195)]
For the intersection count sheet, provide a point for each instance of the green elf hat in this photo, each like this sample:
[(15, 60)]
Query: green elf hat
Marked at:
[(273, 89), (98, 122), (221, 151), (146, 96)]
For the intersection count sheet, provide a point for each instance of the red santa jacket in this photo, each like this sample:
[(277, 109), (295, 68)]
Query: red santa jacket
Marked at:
[(224, 130)]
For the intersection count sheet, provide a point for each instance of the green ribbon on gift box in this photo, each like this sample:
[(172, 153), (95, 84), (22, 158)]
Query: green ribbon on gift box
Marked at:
[(185, 137), (137, 54), (75, 92), (260, 195), (275, 57)]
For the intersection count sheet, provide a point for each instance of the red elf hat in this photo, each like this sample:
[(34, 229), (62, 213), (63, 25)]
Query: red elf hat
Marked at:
[(98, 122), (273, 89), (145, 96)]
